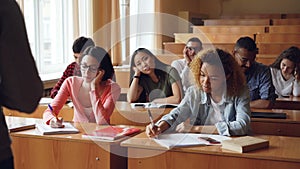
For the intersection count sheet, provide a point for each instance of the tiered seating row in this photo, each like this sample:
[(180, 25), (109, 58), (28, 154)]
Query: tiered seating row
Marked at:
[(251, 22), (271, 35)]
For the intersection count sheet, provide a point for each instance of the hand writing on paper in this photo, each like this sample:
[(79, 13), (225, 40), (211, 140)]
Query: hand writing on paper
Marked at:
[(57, 122), (152, 131)]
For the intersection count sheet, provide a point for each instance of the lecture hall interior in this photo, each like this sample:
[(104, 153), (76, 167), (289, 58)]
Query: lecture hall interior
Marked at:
[(164, 27)]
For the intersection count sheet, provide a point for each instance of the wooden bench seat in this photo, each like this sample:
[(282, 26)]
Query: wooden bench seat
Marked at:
[(173, 48), (253, 16), (210, 38), (278, 38), (285, 29), (274, 48), (234, 29), (266, 59), (289, 21), (169, 58), (245, 22)]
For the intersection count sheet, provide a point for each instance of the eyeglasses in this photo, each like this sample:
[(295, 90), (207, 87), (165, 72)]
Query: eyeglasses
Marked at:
[(191, 48), (243, 59), (91, 68)]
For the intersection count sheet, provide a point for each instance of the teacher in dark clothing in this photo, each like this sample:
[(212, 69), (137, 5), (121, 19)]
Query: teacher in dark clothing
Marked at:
[(20, 85)]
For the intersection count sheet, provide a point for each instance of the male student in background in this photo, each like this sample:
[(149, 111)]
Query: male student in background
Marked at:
[(193, 46), (258, 76), (20, 85), (73, 69)]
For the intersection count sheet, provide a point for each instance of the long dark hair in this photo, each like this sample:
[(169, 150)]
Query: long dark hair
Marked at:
[(292, 54), (158, 64), (103, 58)]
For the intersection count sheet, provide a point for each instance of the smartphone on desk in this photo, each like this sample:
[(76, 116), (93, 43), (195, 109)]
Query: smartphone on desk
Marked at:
[(210, 140), (139, 105)]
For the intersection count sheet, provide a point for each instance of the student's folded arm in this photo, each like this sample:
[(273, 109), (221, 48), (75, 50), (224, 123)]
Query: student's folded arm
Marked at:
[(266, 91), (261, 104), (178, 114), (177, 93), (241, 111), (206, 129), (134, 91), (296, 88), (104, 106)]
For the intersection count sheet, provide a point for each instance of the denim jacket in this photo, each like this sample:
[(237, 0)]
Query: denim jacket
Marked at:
[(196, 106), (260, 84)]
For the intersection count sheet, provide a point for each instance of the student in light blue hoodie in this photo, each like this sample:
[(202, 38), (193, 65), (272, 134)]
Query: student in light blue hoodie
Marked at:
[(219, 103)]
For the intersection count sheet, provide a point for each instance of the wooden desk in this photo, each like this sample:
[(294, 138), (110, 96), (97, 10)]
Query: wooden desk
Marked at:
[(283, 127), (124, 114), (282, 153), (35, 151), (292, 103), (66, 112)]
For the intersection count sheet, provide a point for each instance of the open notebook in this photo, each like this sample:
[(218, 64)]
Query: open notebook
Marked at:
[(47, 129), (189, 139)]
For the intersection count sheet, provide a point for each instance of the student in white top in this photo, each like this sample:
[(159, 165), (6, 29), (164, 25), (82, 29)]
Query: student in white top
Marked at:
[(193, 46), (285, 73)]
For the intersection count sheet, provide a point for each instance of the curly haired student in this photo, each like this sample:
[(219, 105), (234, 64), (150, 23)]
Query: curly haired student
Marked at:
[(218, 103)]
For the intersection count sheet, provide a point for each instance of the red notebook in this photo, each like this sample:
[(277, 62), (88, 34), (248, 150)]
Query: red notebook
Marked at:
[(112, 133)]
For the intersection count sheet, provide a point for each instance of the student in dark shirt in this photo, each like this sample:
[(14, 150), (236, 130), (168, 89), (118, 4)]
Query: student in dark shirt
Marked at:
[(152, 80), (20, 85), (73, 69), (258, 76)]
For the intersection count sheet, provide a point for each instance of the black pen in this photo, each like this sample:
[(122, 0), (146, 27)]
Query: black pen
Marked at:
[(151, 120)]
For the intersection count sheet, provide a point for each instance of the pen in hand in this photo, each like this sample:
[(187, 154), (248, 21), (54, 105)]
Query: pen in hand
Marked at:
[(51, 109), (152, 122)]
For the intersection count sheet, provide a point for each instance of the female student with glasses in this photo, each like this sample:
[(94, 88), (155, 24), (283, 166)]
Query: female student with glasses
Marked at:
[(93, 95)]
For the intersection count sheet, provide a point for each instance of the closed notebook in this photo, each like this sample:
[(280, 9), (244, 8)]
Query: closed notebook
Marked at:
[(245, 144), (15, 124), (112, 133), (48, 130), (271, 115)]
